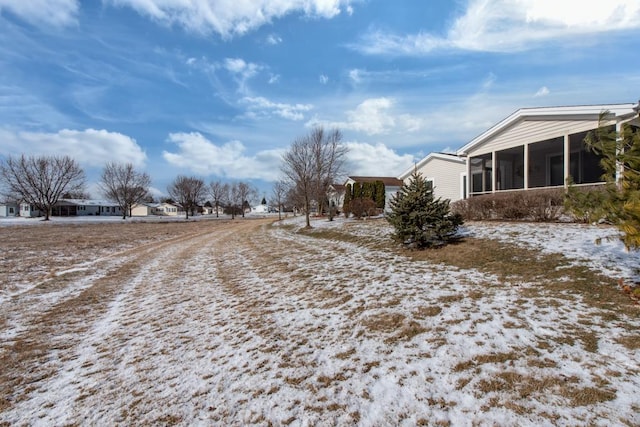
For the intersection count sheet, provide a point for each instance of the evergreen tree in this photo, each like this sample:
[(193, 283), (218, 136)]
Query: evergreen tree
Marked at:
[(367, 190), (357, 190), (380, 194), (620, 154), (346, 205), (420, 220)]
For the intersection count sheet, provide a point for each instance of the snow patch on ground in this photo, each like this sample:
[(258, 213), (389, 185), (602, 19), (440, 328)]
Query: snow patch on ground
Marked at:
[(276, 327)]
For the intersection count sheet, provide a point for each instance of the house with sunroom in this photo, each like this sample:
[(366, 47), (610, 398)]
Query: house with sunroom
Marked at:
[(85, 207), (537, 148), (447, 173)]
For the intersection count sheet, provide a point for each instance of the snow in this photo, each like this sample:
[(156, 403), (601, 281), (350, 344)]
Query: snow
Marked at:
[(276, 327), (88, 219)]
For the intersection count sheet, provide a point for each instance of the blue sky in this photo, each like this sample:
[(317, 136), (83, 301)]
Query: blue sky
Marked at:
[(220, 88)]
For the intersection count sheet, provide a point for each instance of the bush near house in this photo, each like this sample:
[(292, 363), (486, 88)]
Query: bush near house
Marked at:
[(364, 199), (363, 207), (620, 159), (587, 204), (531, 205)]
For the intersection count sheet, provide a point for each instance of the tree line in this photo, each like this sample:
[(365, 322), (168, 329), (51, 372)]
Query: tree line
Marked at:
[(309, 166), (42, 181)]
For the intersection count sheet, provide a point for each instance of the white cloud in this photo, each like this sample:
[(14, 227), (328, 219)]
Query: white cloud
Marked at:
[(382, 43), (543, 91), (230, 17), (274, 39), (511, 25), (260, 106), (324, 79), (242, 71), (489, 81), (57, 13), (240, 67), (201, 156), (375, 116), (89, 147), (274, 78), (364, 159), (354, 75)]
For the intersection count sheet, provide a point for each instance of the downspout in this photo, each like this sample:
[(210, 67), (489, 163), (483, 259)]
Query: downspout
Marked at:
[(619, 165), (494, 172), (567, 160), (526, 167)]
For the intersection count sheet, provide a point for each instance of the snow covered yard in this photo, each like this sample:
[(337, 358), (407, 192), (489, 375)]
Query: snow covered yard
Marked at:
[(248, 323)]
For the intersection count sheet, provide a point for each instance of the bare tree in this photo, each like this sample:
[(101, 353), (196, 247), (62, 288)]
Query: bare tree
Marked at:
[(188, 191), (328, 154), (41, 180), (279, 194), (234, 199), (76, 195), (240, 194), (219, 193), (246, 192), (312, 163), (123, 185)]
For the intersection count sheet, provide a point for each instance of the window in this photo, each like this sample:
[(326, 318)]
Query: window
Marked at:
[(431, 182), (481, 173)]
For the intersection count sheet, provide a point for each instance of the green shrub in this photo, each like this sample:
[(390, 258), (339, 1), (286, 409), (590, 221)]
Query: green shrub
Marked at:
[(420, 220)]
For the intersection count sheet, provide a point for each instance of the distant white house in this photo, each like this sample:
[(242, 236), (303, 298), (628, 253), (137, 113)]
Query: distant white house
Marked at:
[(29, 211), (9, 209), (159, 209), (168, 209), (73, 207), (335, 195), (260, 209), (85, 207), (446, 172)]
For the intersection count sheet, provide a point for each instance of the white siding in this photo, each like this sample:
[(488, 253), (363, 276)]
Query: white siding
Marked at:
[(10, 209), (445, 175), (141, 210), (529, 131)]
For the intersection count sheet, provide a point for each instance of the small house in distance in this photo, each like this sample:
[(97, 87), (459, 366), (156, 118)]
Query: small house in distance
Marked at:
[(9, 209), (158, 209), (446, 172), (85, 207), (335, 195)]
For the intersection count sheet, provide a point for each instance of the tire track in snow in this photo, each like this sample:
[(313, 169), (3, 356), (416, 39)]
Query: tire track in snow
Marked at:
[(39, 353)]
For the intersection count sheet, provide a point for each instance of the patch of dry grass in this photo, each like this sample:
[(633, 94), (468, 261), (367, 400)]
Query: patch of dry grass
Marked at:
[(396, 326), (632, 342), (555, 274), (532, 386), (384, 322), (423, 312)]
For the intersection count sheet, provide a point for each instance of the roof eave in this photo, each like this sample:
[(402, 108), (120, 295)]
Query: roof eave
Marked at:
[(616, 110)]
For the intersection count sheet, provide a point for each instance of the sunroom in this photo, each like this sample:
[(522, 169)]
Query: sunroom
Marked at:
[(541, 148)]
